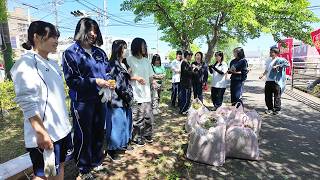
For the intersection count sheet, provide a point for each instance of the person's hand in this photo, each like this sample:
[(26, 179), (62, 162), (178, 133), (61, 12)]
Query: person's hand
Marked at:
[(102, 83), (155, 85), (43, 140), (276, 66), (141, 81), (111, 84)]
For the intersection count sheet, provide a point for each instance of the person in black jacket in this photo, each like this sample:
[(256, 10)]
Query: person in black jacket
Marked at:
[(187, 73), (200, 76)]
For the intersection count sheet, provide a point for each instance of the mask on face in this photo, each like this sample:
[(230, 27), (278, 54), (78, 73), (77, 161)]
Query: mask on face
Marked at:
[(126, 53)]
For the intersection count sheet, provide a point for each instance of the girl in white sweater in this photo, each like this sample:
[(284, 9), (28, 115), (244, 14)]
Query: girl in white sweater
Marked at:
[(40, 94)]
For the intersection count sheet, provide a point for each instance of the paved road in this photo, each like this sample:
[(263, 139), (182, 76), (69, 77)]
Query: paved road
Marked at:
[(290, 142)]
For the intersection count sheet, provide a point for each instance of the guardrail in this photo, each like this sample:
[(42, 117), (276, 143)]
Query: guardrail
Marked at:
[(304, 73)]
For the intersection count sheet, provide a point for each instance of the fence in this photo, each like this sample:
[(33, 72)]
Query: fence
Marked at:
[(305, 74)]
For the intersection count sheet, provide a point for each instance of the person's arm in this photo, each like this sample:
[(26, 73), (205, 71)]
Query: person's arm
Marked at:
[(263, 74), (217, 70), (175, 68), (73, 76), (139, 79), (27, 96), (43, 139), (205, 73)]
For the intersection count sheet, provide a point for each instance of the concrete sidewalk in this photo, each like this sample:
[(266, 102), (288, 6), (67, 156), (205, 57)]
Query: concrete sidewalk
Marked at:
[(289, 145)]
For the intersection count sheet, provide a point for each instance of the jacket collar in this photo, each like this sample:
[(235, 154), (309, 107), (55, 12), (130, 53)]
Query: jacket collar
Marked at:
[(97, 56)]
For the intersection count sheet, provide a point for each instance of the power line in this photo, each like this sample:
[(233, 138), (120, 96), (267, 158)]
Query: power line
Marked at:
[(126, 23)]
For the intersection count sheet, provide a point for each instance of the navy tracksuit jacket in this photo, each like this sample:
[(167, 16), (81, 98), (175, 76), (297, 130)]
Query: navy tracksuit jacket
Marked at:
[(80, 71)]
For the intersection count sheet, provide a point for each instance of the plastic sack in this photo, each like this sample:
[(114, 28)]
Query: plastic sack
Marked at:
[(196, 110), (207, 146), (242, 142)]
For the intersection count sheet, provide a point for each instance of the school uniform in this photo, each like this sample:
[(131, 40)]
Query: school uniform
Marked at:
[(199, 78), (237, 80), (218, 83), (141, 109), (175, 65), (119, 108), (39, 91), (81, 68), (186, 87)]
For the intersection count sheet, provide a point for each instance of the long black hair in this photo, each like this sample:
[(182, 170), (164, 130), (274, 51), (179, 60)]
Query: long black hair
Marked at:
[(44, 29), (155, 58), (117, 47), (219, 53), (136, 47), (239, 52), (83, 27)]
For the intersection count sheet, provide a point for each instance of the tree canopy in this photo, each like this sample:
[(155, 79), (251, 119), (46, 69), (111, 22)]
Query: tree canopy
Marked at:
[(183, 21)]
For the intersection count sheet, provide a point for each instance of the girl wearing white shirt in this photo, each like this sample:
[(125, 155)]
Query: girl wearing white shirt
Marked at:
[(218, 84), (40, 94)]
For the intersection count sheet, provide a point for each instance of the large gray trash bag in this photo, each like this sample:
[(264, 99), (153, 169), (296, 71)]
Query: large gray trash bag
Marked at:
[(207, 146), (242, 142)]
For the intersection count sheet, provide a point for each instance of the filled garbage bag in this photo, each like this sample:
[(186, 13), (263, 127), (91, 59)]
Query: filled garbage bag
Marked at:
[(242, 142), (207, 146)]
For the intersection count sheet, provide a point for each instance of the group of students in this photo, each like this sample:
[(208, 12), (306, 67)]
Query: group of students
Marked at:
[(113, 101), (188, 77), (110, 98)]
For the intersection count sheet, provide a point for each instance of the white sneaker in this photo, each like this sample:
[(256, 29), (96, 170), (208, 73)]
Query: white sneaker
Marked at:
[(155, 112), (99, 168), (268, 112), (87, 176)]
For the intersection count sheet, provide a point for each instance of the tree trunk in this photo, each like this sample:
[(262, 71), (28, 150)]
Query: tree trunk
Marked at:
[(211, 45), (6, 46)]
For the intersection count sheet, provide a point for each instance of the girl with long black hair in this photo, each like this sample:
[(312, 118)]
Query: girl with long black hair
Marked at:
[(119, 107)]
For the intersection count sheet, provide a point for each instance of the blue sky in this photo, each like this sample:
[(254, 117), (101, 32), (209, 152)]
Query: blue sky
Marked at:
[(120, 23)]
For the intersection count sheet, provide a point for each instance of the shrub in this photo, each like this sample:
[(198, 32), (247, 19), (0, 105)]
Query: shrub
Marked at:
[(7, 95)]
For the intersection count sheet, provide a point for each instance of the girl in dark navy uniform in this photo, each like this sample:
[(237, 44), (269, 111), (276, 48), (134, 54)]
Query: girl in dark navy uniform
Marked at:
[(238, 69), (119, 107), (85, 71)]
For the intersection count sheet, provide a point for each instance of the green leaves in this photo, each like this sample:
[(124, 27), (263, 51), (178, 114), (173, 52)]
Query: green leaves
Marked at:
[(183, 21), (3, 11)]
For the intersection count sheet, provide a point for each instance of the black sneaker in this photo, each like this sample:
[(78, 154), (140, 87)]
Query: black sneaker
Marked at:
[(148, 139), (276, 112), (114, 155), (139, 142)]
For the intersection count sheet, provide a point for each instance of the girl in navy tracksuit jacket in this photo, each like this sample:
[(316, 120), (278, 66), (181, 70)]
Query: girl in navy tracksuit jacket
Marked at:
[(85, 71)]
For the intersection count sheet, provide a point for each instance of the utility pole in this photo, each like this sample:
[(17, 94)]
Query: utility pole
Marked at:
[(157, 41), (55, 11), (29, 6), (6, 44), (105, 8)]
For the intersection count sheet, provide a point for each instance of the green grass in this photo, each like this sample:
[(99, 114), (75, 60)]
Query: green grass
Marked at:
[(11, 135), (11, 126)]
